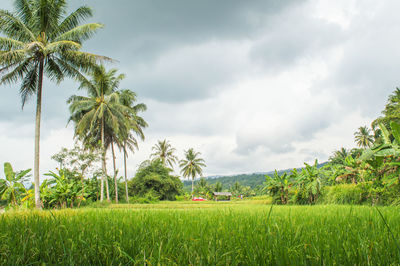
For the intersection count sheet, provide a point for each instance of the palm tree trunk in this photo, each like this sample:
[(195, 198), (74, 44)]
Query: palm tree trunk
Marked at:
[(37, 136), (192, 186), (106, 177), (115, 173), (103, 161), (126, 180)]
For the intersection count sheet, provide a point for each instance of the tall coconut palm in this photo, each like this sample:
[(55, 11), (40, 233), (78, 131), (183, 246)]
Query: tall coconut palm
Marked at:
[(192, 165), (99, 113), (164, 151), (363, 137), (136, 125), (40, 40)]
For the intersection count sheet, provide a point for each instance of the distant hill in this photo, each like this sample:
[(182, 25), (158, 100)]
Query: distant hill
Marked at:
[(252, 180)]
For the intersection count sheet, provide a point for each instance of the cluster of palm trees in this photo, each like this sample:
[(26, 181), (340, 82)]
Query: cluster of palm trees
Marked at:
[(191, 166), (107, 117), (39, 39)]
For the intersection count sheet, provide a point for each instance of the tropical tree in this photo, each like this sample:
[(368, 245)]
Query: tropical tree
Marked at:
[(78, 160), (363, 137), (154, 180), (278, 185), (218, 187), (339, 156), (391, 113), (12, 187), (202, 188), (40, 40), (99, 115), (136, 124), (310, 182), (164, 151), (192, 165)]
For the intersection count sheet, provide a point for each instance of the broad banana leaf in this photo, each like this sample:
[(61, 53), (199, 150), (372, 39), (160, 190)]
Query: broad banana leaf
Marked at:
[(395, 131), (8, 171), (386, 152), (385, 133)]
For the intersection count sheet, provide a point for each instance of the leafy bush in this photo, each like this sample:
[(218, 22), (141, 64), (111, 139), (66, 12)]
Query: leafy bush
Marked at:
[(344, 194), (183, 197), (153, 181), (148, 198)]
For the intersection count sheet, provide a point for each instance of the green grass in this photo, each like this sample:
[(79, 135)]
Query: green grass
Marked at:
[(203, 233)]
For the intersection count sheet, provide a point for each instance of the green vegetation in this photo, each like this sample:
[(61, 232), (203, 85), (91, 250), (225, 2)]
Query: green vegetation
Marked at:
[(39, 40), (164, 152), (153, 180), (11, 187), (237, 233), (192, 165)]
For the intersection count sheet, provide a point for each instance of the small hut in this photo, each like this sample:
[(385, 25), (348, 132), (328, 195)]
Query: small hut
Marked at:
[(223, 194)]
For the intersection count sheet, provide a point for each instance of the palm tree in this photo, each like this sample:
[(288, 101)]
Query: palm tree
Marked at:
[(164, 151), (100, 115), (136, 125), (339, 156), (363, 137), (191, 166), (39, 39), (218, 187)]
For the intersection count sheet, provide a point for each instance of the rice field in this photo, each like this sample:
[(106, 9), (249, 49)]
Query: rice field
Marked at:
[(203, 233)]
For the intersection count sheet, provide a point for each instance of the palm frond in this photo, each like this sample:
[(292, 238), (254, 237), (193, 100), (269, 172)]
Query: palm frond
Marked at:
[(74, 19), (80, 33), (13, 27)]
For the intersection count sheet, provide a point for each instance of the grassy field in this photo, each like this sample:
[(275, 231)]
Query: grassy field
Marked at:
[(203, 233)]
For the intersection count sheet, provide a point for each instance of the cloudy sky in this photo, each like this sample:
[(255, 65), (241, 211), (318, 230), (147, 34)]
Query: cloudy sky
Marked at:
[(252, 85)]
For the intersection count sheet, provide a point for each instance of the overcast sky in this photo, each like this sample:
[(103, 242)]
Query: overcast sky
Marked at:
[(252, 85)]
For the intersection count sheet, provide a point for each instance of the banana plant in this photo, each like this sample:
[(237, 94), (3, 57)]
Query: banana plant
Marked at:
[(351, 170), (65, 191), (11, 187), (278, 185), (390, 146), (310, 181)]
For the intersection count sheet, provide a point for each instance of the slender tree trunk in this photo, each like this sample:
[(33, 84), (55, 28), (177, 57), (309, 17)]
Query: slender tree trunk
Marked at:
[(192, 186), (103, 161), (83, 189), (115, 174), (126, 180), (106, 176), (37, 136)]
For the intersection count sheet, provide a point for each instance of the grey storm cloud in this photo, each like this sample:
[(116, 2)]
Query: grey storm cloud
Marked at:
[(146, 28), (141, 36), (296, 36)]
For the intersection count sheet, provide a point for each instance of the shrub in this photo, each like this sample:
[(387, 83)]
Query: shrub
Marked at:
[(344, 194)]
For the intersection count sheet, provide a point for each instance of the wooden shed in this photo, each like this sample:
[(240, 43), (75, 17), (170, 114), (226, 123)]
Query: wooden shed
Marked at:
[(223, 194)]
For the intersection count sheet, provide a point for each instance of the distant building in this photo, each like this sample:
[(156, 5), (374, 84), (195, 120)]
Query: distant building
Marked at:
[(223, 194)]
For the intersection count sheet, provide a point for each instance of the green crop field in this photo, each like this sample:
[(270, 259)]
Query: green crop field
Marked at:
[(203, 233)]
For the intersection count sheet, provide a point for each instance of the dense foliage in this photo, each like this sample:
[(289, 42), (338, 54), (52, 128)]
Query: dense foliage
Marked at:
[(39, 39), (153, 179)]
